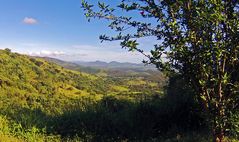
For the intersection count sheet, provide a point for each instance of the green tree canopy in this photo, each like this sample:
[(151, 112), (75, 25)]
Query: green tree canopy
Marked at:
[(199, 39)]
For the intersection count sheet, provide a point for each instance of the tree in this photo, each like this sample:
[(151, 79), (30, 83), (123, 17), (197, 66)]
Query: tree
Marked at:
[(199, 39)]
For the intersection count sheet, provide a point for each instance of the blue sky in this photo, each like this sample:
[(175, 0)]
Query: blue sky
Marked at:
[(58, 28)]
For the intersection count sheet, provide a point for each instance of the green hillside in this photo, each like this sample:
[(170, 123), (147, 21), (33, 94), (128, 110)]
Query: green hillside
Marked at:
[(30, 85), (25, 80), (41, 101), (32, 78)]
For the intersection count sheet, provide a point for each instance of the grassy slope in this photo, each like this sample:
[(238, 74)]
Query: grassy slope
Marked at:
[(41, 101), (24, 80), (32, 89)]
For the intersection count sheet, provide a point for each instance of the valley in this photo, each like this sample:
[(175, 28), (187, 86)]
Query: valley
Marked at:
[(31, 87)]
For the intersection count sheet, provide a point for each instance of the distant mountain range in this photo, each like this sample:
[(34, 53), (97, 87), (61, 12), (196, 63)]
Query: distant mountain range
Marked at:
[(102, 65), (115, 65), (113, 69)]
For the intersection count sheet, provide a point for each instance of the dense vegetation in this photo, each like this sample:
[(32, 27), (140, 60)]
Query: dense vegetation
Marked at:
[(197, 39), (41, 101)]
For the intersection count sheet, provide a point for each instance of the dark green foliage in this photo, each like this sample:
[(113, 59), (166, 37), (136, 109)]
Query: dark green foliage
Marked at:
[(114, 119), (184, 104), (196, 38), (117, 120)]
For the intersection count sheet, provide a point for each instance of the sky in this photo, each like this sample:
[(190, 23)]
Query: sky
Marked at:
[(58, 29)]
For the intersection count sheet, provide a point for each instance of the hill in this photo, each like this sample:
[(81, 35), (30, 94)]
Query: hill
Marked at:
[(24, 80), (31, 78), (43, 101), (34, 92), (73, 66), (114, 65), (115, 70), (33, 89)]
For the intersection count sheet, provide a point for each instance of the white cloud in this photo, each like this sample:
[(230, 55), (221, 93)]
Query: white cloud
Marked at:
[(108, 51), (30, 21), (46, 53), (102, 52)]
